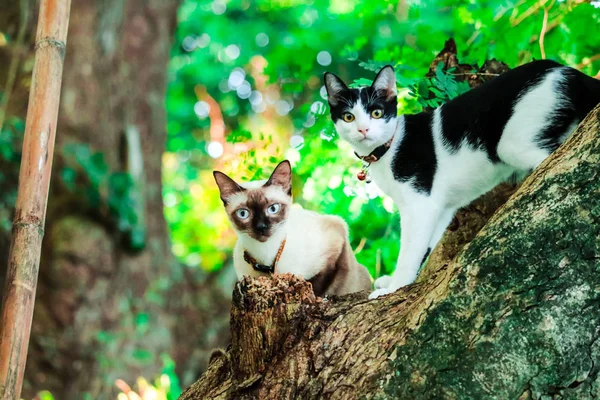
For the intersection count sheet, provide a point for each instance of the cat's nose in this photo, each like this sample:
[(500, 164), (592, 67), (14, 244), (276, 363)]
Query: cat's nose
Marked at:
[(261, 227), (363, 131)]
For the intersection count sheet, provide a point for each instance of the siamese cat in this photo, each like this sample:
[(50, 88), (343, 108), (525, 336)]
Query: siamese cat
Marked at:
[(274, 236), (433, 163)]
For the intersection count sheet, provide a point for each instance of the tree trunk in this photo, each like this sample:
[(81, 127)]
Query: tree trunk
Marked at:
[(109, 307), (516, 315)]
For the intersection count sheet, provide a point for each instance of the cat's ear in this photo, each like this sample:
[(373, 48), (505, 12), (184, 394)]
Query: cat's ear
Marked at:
[(282, 176), (385, 81), (227, 186), (334, 86)]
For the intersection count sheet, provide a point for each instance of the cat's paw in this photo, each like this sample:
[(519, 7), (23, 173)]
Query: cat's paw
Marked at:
[(380, 292), (383, 282)]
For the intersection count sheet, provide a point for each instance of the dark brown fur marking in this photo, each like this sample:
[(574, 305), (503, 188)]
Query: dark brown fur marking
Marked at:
[(282, 176), (227, 186), (257, 203), (333, 276)]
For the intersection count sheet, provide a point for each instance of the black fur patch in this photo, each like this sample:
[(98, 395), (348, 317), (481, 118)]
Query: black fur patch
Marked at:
[(369, 97), (480, 115), (415, 156)]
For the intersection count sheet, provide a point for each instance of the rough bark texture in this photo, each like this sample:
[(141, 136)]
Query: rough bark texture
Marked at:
[(105, 310), (516, 315)]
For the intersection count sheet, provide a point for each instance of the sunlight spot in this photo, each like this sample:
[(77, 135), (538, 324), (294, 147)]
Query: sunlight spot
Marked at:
[(214, 149), (203, 40), (323, 92), (289, 40), (193, 260), (310, 121), (308, 191), (259, 108), (596, 3), (324, 58), (372, 191), (196, 190), (334, 182), (150, 394), (262, 39), (296, 142), (308, 17), (272, 97), (317, 107), (388, 204), (236, 78), (169, 161), (165, 381), (325, 135), (256, 97), (292, 155), (189, 43), (244, 90), (385, 31), (224, 86), (178, 249), (232, 51), (202, 109), (219, 7), (282, 107), (170, 200)]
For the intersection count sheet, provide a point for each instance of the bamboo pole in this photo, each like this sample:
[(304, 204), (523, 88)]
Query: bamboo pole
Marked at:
[(32, 197)]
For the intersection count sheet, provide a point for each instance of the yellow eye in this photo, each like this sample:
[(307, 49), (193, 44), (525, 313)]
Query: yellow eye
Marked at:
[(377, 113), (348, 117)]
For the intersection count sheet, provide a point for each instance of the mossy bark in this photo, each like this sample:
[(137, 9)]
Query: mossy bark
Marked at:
[(515, 315)]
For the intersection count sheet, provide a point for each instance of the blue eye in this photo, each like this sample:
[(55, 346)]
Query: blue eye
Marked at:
[(242, 213), (273, 208)]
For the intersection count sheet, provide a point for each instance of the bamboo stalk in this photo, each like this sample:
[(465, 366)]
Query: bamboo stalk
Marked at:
[(32, 197)]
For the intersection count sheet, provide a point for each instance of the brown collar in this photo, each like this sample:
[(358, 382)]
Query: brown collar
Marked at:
[(376, 154), (269, 269)]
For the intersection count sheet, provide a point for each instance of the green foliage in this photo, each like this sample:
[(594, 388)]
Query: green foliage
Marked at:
[(10, 157), (86, 174), (261, 64)]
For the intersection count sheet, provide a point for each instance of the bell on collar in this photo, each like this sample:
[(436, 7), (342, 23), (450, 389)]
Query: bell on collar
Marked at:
[(363, 174)]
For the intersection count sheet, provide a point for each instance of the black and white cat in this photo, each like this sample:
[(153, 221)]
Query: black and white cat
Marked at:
[(433, 163)]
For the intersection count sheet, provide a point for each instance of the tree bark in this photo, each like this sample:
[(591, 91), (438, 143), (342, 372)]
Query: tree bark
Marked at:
[(515, 315), (106, 309)]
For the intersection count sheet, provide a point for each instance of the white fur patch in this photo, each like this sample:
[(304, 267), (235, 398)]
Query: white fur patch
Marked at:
[(518, 145)]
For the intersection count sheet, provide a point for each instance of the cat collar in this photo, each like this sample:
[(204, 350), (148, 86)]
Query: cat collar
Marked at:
[(375, 155), (268, 269)]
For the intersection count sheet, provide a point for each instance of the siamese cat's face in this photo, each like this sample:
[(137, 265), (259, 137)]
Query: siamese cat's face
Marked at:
[(364, 117), (258, 208)]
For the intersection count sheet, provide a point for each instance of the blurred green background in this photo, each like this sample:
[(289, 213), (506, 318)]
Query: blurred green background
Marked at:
[(244, 91)]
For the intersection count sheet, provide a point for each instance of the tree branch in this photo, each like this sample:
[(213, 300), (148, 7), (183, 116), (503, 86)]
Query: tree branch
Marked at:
[(502, 319)]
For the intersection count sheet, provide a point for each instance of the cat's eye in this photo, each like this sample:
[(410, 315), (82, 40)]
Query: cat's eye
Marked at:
[(273, 208), (377, 113), (242, 213), (348, 117)]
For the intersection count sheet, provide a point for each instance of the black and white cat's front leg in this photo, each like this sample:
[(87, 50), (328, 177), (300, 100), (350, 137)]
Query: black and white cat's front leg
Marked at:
[(422, 225)]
